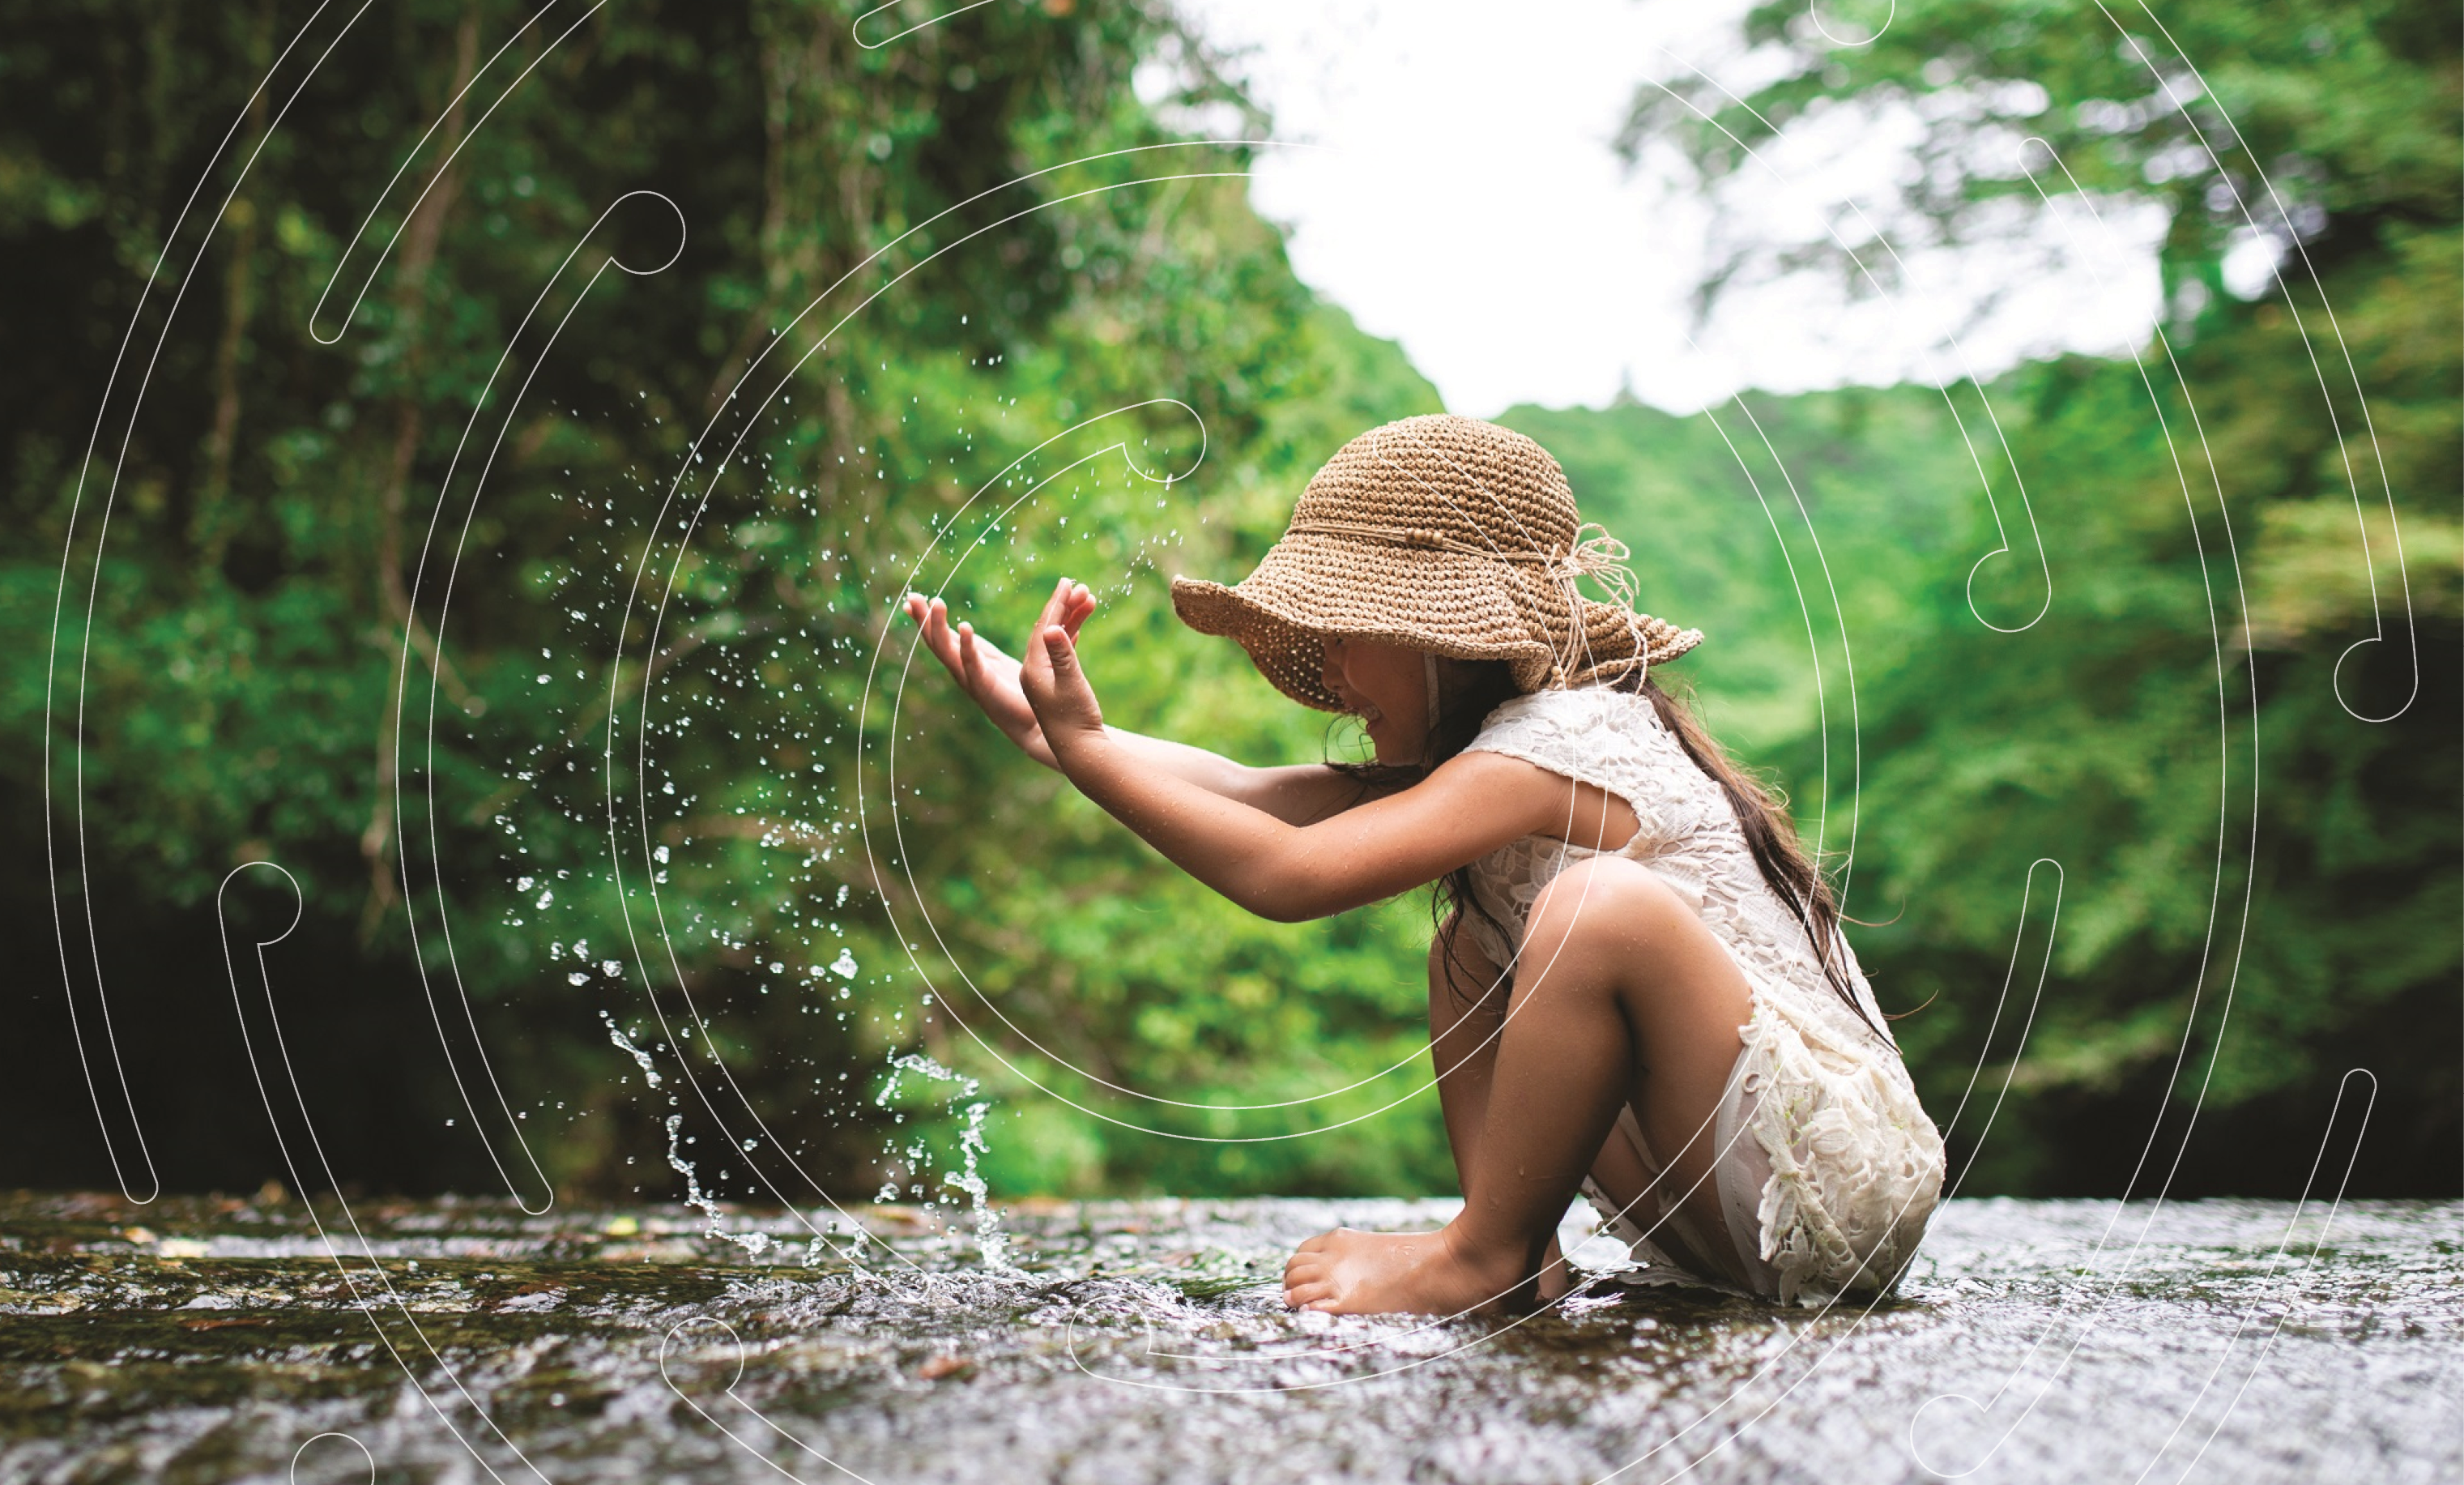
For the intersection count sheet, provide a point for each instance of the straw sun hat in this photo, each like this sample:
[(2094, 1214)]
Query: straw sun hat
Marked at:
[(1445, 535)]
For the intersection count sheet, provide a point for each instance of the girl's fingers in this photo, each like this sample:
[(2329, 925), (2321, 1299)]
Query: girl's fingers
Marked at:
[(1052, 606), (978, 662), (1045, 620), (950, 648), (1071, 700), (921, 609)]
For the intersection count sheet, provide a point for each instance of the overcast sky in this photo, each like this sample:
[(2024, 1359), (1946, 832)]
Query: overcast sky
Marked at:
[(1460, 194)]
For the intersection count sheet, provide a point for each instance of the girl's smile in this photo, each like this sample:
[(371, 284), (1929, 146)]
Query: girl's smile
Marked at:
[(1387, 687)]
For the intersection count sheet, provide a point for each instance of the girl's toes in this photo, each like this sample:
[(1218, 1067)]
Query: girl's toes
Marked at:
[(1318, 1244), (1300, 1297)]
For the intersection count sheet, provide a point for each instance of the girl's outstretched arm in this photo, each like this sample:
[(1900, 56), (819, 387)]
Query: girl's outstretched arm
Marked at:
[(1298, 793), (1470, 806)]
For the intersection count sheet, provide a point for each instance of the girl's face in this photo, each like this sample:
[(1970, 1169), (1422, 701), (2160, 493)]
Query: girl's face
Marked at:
[(1387, 686)]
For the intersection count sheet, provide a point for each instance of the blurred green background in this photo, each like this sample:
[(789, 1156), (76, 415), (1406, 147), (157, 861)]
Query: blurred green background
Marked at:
[(625, 565)]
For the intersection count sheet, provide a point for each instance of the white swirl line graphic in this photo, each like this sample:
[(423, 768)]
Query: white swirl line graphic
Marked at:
[(436, 175), (68, 550), (409, 886), (305, 1118), (2326, 401), (855, 28)]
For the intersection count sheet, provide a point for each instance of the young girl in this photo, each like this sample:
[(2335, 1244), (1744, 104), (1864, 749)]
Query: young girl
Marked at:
[(1641, 990)]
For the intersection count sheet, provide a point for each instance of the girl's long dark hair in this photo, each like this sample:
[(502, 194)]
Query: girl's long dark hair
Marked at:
[(1475, 688)]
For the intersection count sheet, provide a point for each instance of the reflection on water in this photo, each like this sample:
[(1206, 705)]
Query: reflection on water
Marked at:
[(2032, 1342)]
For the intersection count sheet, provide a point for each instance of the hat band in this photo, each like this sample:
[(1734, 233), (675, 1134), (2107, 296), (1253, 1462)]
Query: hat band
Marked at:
[(1597, 555), (1399, 536)]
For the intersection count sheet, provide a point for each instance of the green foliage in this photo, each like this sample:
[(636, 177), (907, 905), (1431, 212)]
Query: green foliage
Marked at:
[(1764, 521), (2261, 886), (646, 568), (2322, 121), (624, 564)]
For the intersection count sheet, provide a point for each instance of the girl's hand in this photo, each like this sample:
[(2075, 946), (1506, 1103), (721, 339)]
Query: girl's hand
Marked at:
[(1056, 689), (989, 677)]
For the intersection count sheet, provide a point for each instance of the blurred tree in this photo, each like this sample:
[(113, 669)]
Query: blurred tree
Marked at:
[(527, 613), (2235, 726), (453, 571)]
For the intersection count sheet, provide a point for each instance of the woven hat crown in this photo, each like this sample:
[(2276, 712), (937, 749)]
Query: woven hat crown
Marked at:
[(1450, 481), (1448, 535)]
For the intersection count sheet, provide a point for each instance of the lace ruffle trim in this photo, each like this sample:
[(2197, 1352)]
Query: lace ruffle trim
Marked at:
[(1857, 1168)]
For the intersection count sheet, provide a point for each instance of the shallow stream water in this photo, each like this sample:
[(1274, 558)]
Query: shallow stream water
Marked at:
[(201, 1340)]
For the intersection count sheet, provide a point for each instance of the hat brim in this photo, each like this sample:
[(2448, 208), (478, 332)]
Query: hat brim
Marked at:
[(1309, 588)]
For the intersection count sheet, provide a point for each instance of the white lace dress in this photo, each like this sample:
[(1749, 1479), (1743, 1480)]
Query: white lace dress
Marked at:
[(1855, 1167)]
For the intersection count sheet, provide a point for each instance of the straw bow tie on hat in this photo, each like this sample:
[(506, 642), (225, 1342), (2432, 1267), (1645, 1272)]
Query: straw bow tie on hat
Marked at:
[(1446, 534)]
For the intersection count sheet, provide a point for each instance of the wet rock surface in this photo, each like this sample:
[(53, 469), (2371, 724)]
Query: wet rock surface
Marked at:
[(204, 1341)]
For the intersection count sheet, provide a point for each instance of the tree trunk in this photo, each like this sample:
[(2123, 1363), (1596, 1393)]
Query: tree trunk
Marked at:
[(419, 241)]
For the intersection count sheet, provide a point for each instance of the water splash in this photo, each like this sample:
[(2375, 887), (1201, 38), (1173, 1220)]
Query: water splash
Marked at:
[(625, 1044), (991, 1242), (754, 1243)]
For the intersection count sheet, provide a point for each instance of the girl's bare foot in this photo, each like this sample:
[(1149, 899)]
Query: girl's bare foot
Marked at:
[(1350, 1272)]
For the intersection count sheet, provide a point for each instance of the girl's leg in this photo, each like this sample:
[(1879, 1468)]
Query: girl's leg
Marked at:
[(1621, 996), (1464, 1014)]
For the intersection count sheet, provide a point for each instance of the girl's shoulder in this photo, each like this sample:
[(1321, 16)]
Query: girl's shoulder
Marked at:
[(1602, 736), (1614, 741), (1567, 711)]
